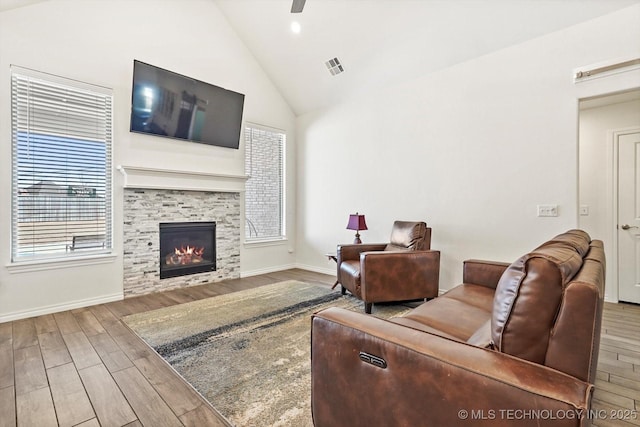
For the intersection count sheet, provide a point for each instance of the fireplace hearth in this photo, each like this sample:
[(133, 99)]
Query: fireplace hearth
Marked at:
[(187, 248)]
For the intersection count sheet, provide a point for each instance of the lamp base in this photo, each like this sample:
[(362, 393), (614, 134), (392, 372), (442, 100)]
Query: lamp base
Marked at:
[(357, 240)]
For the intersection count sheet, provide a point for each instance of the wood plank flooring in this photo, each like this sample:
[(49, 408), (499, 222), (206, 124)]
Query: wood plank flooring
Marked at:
[(616, 400), (85, 368)]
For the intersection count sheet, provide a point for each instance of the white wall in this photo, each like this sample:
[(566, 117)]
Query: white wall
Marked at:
[(471, 150), (596, 172), (96, 42)]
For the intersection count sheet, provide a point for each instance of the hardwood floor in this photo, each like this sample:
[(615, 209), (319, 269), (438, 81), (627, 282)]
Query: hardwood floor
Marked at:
[(616, 400), (86, 368)]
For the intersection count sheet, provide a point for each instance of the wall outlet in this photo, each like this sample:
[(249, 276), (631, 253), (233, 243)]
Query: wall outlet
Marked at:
[(547, 210)]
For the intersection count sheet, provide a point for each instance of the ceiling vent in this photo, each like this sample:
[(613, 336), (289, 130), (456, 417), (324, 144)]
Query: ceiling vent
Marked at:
[(334, 66)]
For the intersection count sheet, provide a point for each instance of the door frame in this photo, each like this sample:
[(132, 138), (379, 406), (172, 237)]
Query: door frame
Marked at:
[(604, 85), (613, 143)]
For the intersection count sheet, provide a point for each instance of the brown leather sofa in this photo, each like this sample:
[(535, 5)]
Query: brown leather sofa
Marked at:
[(401, 270), (513, 345)]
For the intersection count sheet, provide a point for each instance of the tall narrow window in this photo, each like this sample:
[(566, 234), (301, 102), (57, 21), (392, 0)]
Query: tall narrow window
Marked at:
[(264, 193), (61, 166)]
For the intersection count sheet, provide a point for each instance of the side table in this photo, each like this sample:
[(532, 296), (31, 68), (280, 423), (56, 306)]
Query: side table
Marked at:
[(334, 257)]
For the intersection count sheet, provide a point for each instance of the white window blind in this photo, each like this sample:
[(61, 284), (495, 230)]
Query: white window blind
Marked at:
[(61, 166), (264, 190)]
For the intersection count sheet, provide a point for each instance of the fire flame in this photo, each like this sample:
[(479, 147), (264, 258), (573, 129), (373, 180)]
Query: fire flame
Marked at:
[(184, 256), (189, 251)]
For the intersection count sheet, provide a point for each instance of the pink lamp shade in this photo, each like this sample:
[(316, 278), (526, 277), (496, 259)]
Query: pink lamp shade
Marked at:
[(357, 222)]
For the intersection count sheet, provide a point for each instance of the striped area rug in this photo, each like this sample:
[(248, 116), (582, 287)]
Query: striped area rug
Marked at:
[(248, 352)]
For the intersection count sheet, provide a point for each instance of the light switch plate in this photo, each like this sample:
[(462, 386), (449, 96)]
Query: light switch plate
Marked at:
[(584, 210), (547, 210)]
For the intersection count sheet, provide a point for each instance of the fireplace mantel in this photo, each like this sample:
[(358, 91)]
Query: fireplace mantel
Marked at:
[(168, 179)]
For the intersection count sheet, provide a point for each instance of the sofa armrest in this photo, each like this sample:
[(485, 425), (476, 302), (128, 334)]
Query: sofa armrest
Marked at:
[(399, 275), (485, 273), (352, 251), (369, 371)]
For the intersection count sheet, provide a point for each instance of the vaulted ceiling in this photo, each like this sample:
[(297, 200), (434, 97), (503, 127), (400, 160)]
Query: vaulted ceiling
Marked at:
[(383, 42)]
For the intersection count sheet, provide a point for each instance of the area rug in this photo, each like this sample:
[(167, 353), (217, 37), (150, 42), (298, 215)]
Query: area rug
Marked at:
[(248, 352)]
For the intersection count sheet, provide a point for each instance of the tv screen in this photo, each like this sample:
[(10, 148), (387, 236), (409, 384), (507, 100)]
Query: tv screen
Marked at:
[(172, 105)]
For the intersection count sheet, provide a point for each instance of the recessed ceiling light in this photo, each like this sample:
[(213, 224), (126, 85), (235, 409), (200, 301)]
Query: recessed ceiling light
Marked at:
[(295, 27)]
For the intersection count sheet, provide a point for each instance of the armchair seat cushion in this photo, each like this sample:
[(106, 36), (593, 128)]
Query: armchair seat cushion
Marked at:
[(350, 273)]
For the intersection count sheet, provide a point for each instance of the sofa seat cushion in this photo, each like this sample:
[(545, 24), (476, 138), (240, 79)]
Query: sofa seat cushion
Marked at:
[(474, 295), (414, 323), (458, 316)]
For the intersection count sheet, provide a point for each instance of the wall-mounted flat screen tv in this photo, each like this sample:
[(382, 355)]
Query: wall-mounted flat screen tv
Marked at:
[(172, 105)]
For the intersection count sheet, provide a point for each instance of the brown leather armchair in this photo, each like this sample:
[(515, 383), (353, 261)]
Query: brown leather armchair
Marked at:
[(403, 269)]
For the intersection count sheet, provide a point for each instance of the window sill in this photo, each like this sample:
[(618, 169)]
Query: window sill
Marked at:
[(51, 264), (275, 241)]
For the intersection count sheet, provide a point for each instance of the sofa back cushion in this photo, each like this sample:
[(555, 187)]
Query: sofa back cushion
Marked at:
[(579, 240), (409, 235), (530, 293), (575, 339)]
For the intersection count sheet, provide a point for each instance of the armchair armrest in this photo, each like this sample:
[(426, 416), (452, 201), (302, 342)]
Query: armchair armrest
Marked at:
[(352, 251), (485, 273), (401, 275), (369, 371)]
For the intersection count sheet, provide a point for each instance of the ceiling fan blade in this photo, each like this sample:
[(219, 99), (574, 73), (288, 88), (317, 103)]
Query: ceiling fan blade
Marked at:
[(297, 6)]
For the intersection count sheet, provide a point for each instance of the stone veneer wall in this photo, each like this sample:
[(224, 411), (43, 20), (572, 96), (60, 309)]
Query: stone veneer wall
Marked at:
[(144, 209)]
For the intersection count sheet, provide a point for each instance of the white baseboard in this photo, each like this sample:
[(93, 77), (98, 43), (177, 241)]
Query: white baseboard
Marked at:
[(329, 271), (266, 270), (257, 272), (56, 308)]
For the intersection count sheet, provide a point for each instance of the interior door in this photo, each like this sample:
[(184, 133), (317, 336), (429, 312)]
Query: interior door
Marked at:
[(629, 217)]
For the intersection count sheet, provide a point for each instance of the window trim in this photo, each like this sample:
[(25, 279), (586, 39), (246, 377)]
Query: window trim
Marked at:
[(56, 263), (283, 237), (266, 242), (37, 262)]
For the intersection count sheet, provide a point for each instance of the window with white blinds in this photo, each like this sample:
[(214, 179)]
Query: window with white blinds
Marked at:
[(61, 166), (264, 190)]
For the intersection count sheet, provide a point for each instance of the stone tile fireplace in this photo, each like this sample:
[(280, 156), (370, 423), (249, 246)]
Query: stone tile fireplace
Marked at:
[(181, 234)]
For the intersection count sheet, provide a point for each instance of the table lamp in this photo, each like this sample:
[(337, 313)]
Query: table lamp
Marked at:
[(357, 222)]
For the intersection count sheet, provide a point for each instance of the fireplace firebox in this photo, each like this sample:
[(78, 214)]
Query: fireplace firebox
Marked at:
[(187, 248)]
